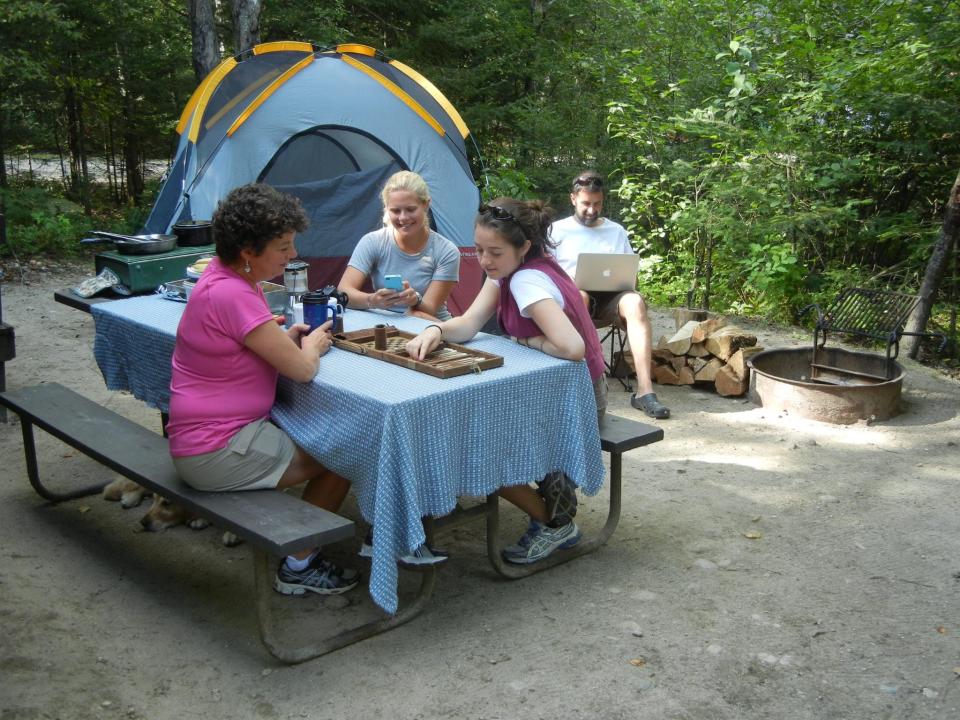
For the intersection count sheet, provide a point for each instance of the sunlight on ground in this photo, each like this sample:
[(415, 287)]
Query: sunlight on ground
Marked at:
[(751, 458), (773, 496), (857, 434), (761, 440)]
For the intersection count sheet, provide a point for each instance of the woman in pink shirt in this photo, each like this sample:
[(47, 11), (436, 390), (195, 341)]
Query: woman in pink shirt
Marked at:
[(539, 307), (229, 353)]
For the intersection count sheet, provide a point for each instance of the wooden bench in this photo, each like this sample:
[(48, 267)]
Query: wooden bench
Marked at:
[(274, 523)]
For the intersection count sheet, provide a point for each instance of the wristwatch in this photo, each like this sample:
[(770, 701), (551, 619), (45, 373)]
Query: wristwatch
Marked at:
[(419, 298)]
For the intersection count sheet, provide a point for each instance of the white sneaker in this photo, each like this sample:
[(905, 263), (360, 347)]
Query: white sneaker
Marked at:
[(423, 555)]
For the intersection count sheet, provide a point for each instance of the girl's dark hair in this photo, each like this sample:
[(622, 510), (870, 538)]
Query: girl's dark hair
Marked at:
[(250, 216), (518, 221)]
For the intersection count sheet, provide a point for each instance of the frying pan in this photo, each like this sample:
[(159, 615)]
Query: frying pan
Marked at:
[(134, 244)]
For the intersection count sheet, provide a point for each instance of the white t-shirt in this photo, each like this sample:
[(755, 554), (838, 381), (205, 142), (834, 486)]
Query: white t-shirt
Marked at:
[(530, 286), (572, 238)]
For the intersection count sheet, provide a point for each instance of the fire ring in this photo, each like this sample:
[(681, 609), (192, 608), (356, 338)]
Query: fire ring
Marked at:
[(782, 381)]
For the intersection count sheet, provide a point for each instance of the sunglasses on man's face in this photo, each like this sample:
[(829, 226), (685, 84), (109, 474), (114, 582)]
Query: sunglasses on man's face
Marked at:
[(590, 183)]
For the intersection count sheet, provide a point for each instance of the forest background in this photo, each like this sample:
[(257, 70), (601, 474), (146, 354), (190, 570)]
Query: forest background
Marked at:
[(762, 155)]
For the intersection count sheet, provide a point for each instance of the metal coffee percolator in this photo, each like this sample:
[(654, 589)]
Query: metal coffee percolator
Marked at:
[(295, 281)]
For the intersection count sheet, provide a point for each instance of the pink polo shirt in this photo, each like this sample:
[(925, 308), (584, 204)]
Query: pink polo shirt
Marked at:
[(218, 385)]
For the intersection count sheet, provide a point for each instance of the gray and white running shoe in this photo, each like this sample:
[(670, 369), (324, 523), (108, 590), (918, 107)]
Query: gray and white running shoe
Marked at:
[(320, 576), (541, 543)]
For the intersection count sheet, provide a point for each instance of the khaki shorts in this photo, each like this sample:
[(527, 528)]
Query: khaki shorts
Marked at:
[(605, 308), (600, 395), (254, 459)]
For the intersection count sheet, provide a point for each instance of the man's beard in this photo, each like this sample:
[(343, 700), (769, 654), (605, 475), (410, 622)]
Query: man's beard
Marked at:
[(588, 221)]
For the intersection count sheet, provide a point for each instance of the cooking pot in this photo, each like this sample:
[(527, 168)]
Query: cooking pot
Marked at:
[(134, 244), (191, 233)]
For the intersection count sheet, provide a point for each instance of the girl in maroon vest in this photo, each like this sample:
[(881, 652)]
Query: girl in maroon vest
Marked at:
[(538, 306)]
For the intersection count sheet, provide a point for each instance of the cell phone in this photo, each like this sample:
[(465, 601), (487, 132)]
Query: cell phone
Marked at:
[(393, 282)]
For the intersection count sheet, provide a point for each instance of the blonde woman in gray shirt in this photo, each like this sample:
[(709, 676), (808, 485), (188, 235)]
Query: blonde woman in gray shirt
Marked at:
[(427, 263)]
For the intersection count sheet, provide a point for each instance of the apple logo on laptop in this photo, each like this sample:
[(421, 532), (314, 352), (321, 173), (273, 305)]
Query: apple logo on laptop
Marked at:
[(607, 273)]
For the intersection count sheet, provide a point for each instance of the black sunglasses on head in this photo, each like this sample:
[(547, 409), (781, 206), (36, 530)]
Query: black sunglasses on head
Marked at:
[(591, 183), (496, 212)]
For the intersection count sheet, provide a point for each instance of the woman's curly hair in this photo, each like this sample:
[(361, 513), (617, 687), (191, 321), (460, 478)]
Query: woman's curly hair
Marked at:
[(250, 216)]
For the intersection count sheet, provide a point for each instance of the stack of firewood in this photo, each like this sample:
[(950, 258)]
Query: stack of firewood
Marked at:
[(705, 351)]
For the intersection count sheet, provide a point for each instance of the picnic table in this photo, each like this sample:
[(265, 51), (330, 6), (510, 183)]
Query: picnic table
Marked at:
[(411, 444)]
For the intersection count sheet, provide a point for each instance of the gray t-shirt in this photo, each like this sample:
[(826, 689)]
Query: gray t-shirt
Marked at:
[(377, 255)]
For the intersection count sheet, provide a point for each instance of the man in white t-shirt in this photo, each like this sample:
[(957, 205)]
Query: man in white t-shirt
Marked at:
[(587, 232)]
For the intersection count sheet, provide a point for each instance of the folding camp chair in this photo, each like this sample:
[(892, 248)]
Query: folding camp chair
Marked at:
[(617, 366)]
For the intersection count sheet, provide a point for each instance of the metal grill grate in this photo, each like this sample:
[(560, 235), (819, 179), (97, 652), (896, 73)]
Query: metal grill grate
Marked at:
[(877, 314)]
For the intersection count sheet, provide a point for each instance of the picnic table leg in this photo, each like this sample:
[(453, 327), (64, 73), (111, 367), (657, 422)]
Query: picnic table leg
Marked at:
[(33, 472), (264, 570), (586, 545)]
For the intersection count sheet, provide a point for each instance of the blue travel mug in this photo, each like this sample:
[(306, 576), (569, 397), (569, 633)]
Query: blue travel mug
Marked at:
[(314, 309)]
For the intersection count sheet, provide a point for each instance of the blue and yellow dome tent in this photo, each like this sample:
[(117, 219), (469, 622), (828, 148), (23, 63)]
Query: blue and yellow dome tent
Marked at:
[(329, 126)]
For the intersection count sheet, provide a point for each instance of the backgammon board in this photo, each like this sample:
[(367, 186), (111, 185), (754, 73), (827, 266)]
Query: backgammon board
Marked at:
[(448, 360)]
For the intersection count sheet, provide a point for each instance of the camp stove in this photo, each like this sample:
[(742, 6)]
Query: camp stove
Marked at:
[(147, 272)]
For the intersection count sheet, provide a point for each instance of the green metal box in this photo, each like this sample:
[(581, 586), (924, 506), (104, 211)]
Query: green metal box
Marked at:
[(147, 272)]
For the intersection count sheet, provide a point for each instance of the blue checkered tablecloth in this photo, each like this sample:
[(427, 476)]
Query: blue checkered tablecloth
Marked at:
[(411, 444)]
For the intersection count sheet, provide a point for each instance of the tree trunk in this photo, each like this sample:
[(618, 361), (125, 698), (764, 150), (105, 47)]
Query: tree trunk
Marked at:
[(63, 166), (73, 139), (246, 24), (3, 147), (79, 172), (130, 147), (206, 53), (936, 267), (3, 158), (84, 159)]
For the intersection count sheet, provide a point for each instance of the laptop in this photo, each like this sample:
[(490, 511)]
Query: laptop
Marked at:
[(606, 272)]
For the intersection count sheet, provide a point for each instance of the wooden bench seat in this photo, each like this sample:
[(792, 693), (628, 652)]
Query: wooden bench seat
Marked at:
[(274, 523)]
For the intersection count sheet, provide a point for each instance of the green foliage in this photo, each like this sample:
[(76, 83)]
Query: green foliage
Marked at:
[(771, 153), (320, 23), (506, 181), (40, 222), (811, 151)]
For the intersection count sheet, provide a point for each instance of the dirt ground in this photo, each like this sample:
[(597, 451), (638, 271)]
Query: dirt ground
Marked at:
[(765, 566)]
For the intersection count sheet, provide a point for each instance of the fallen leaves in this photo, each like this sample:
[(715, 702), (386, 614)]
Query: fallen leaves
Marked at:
[(638, 662), (752, 535)]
